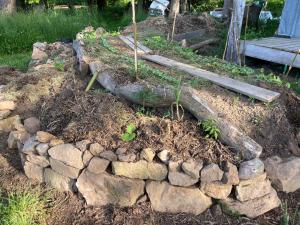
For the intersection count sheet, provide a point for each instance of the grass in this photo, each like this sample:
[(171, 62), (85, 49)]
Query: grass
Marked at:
[(22, 208), (19, 31), (289, 218)]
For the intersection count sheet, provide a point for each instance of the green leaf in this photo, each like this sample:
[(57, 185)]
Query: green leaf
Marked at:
[(130, 128), (128, 137)]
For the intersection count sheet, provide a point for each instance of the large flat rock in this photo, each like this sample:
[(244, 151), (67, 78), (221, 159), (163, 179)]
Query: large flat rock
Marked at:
[(103, 189), (255, 207), (58, 181), (167, 198), (284, 173), (67, 154), (140, 170)]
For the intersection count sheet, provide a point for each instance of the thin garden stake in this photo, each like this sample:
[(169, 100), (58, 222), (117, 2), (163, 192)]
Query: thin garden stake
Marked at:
[(246, 27), (135, 39), (91, 82), (292, 64), (173, 29)]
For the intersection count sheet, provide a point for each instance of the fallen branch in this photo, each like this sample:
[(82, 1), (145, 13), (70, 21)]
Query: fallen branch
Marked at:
[(203, 43)]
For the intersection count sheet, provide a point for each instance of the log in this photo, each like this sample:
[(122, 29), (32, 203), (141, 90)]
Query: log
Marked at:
[(203, 43), (165, 96), (189, 35)]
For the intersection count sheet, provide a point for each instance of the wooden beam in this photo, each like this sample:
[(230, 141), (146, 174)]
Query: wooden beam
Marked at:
[(130, 42), (203, 43), (189, 35), (231, 84), (270, 55)]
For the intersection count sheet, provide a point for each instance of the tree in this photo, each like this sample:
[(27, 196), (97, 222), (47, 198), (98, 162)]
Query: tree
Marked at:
[(8, 6), (228, 4)]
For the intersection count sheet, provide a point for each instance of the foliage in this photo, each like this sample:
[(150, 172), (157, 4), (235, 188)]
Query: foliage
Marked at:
[(275, 6), (210, 128), (286, 217), (25, 208), (104, 43), (20, 30), (130, 134), (59, 64), (265, 29), (18, 60), (207, 5)]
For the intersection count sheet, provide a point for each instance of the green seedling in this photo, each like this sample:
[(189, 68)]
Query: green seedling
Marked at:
[(210, 128), (130, 134)]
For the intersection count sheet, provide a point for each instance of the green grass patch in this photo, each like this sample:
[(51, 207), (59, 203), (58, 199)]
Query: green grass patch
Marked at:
[(18, 60), (23, 208)]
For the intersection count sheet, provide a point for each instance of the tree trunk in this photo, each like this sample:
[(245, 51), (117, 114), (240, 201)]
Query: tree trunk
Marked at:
[(228, 4), (101, 4), (174, 8), (232, 50), (8, 6)]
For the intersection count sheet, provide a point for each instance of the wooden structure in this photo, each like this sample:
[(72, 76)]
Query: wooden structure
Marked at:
[(273, 49)]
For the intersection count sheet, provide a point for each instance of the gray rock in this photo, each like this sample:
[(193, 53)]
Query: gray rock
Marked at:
[(15, 136), (142, 199), (148, 154), (140, 169), (127, 158), (63, 169), (96, 149), (98, 165), (216, 210), (86, 158), (253, 188), (192, 168), (167, 198), (103, 189), (210, 173), (41, 161), (164, 156), (178, 178), (217, 189), (29, 145), (42, 149), (121, 151), (250, 169), (293, 146), (34, 171), (32, 125), (67, 154), (253, 208), (284, 173), (82, 145), (58, 181), (4, 114), (109, 155), (231, 174)]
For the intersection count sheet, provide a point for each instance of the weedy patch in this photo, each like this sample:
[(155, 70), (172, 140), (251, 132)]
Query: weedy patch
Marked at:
[(25, 208), (210, 128), (59, 64), (130, 134), (288, 219)]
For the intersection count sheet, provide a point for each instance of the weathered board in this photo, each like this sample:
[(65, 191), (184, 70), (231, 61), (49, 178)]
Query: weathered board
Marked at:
[(231, 84), (189, 35), (141, 49)]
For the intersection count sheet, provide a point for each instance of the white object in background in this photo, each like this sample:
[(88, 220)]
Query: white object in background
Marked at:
[(216, 14), (158, 7), (265, 15)]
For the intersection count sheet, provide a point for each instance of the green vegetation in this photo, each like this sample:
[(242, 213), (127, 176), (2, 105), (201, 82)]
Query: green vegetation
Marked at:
[(59, 64), (130, 134), (25, 208), (210, 128), (20, 30), (288, 219)]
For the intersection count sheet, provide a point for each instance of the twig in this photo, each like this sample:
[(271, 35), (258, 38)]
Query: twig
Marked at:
[(135, 39), (293, 62)]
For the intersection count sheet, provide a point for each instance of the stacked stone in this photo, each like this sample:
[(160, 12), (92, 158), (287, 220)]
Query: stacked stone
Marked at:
[(122, 178)]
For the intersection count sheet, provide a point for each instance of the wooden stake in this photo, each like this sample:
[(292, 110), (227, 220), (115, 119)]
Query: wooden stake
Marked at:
[(292, 64), (135, 39), (173, 29)]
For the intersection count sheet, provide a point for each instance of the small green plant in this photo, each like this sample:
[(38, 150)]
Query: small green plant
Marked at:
[(104, 42), (59, 64), (145, 111), (130, 134), (286, 218), (24, 208), (210, 128), (177, 105)]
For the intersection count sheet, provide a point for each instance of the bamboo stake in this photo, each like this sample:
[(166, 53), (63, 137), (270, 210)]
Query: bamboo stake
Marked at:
[(246, 27), (173, 29), (91, 82), (292, 64), (135, 39)]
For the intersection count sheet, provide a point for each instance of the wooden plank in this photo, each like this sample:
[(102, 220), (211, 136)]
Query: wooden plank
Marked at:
[(139, 45), (189, 35), (130, 44), (271, 55), (231, 84)]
